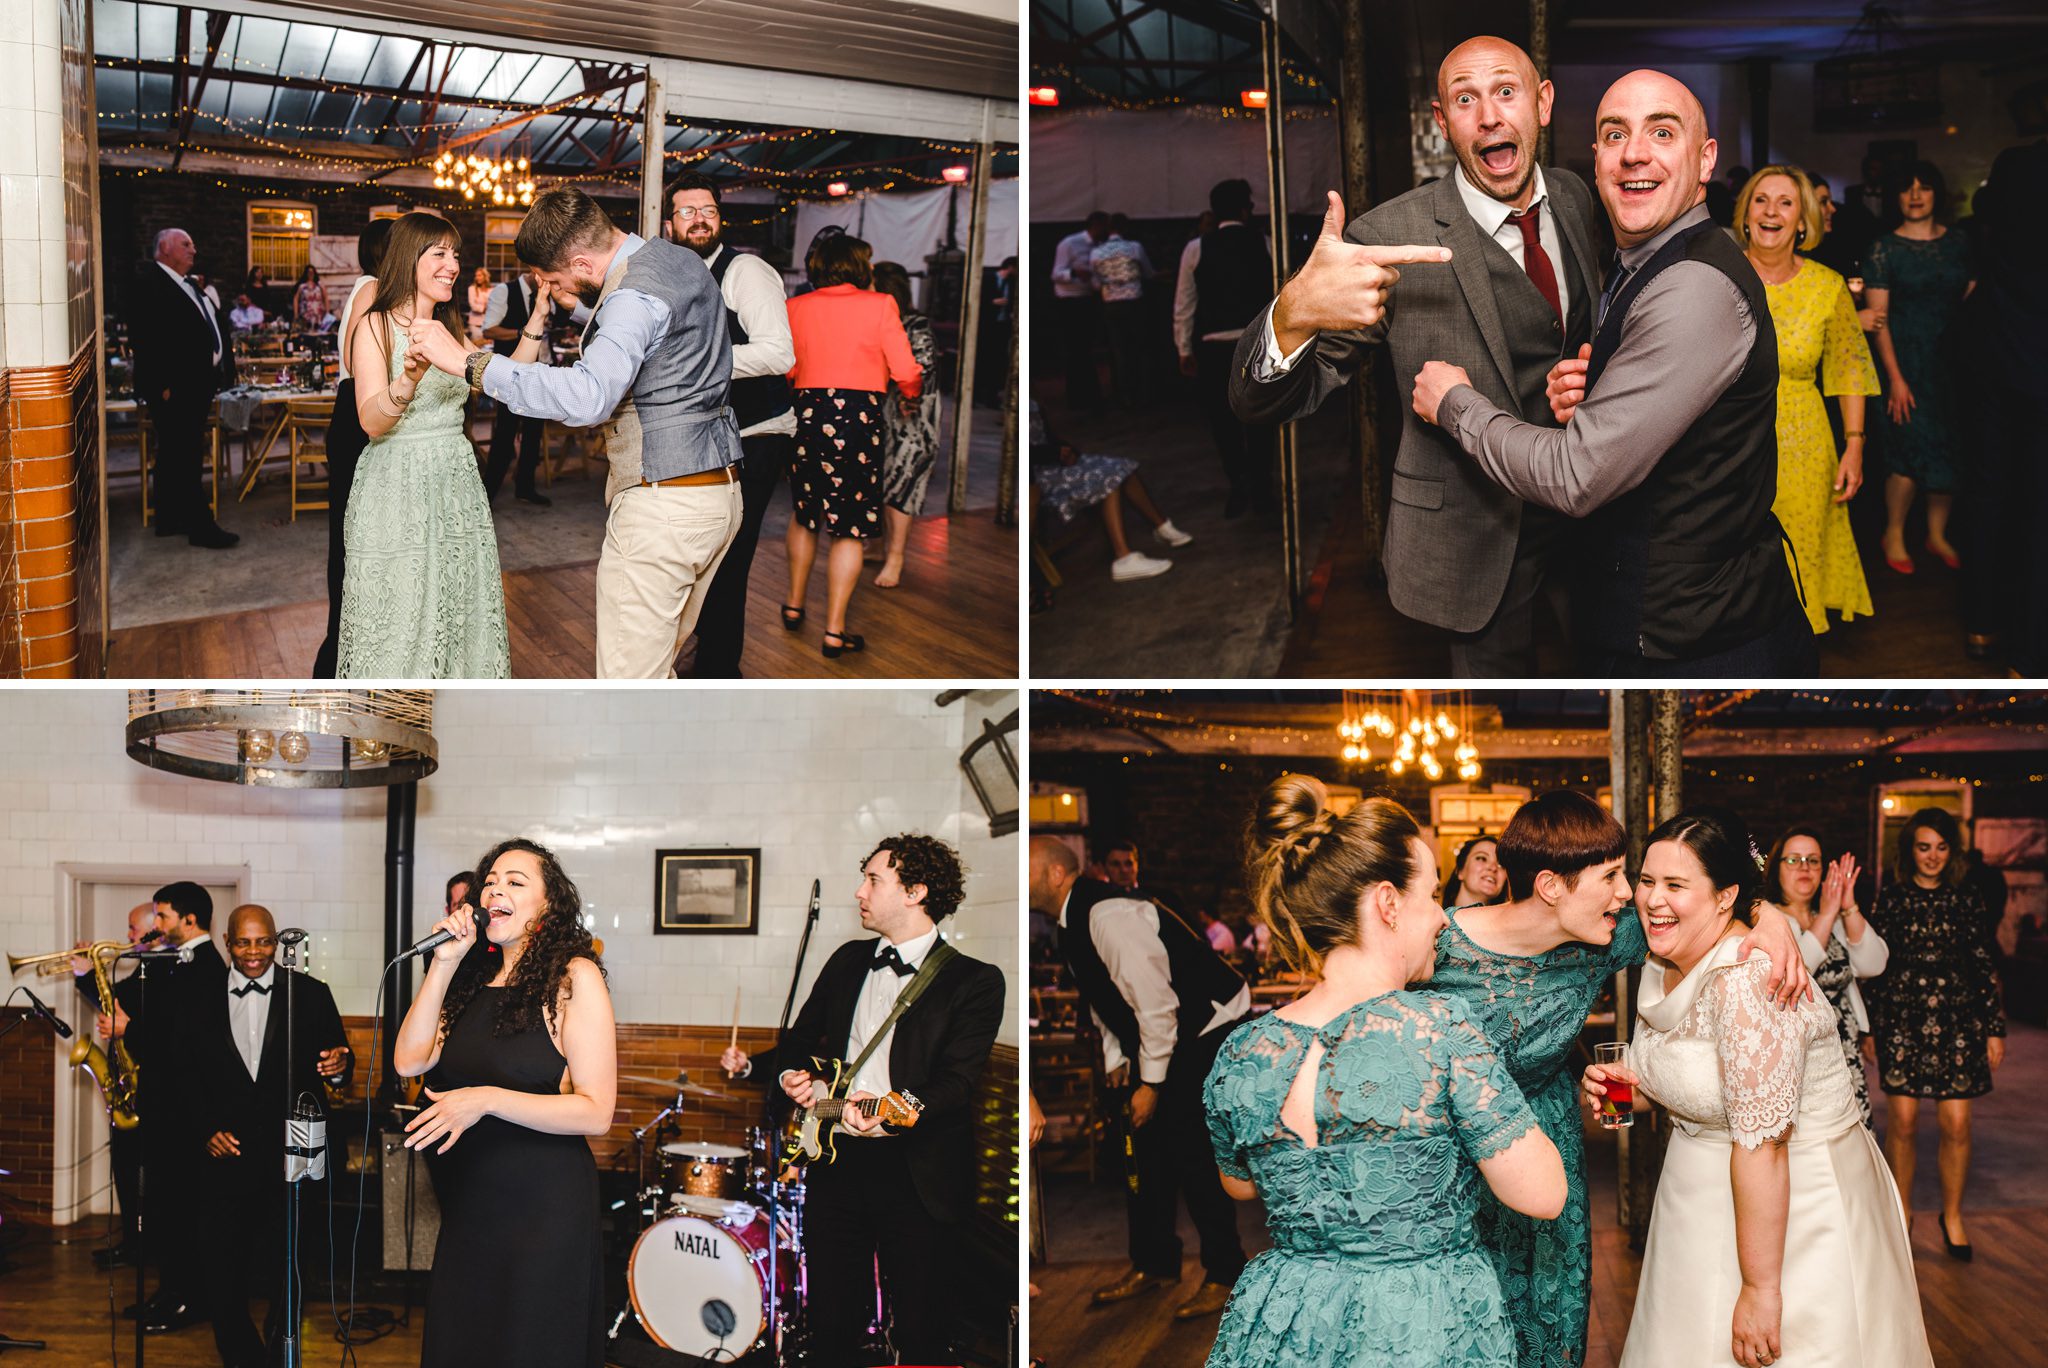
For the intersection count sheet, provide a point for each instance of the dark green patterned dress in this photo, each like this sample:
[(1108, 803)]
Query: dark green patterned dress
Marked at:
[(1376, 1262), (1532, 1009)]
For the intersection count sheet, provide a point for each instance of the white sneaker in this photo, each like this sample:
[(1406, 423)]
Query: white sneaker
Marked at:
[(1138, 565), (1169, 535)]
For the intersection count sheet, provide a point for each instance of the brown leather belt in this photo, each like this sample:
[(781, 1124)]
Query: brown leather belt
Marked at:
[(722, 475)]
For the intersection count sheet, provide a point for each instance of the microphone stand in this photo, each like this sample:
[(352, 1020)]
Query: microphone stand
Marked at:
[(143, 959), (288, 952), (796, 974)]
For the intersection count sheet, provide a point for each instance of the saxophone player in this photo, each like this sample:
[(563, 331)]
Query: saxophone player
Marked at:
[(124, 1148)]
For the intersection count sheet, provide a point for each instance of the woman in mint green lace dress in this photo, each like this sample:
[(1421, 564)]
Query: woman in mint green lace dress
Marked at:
[(421, 595), (1369, 1117), (1527, 971)]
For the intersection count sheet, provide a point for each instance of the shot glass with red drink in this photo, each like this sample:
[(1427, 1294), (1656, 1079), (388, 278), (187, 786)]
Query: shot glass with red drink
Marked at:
[(1617, 1108)]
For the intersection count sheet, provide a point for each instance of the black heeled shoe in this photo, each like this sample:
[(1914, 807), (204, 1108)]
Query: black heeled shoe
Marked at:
[(1962, 1252), (792, 618), (848, 641)]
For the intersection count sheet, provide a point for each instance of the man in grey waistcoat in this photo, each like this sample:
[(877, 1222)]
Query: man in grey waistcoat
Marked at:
[(1498, 269), (655, 371)]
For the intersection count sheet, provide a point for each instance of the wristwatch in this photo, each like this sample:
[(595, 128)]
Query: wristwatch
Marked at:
[(474, 368)]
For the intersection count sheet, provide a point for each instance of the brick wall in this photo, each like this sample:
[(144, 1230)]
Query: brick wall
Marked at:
[(1188, 813), (27, 1101)]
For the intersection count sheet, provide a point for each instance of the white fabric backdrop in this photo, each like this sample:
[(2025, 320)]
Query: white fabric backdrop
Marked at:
[(905, 227), (1161, 163)]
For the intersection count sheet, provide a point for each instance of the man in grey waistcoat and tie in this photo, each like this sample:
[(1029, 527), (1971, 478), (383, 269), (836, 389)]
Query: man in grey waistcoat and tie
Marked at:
[(655, 371), (1498, 269)]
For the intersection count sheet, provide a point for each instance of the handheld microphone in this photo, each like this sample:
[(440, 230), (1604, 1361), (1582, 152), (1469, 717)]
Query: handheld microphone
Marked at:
[(42, 1009), (428, 945), (150, 937)]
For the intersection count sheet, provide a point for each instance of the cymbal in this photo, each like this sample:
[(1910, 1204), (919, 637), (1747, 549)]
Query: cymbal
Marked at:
[(680, 1083)]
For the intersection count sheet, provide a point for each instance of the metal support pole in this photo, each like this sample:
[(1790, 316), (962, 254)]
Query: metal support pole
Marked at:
[(1629, 768), (970, 318), (1276, 192), (1006, 481), (1539, 55), (1666, 755), (1356, 132), (400, 825), (653, 139)]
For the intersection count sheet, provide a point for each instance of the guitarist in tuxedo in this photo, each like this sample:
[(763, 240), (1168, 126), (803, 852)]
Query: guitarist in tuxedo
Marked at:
[(183, 357), (896, 1195), (237, 1066)]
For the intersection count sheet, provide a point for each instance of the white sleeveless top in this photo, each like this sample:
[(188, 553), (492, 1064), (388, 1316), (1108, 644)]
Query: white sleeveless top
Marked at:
[(348, 309)]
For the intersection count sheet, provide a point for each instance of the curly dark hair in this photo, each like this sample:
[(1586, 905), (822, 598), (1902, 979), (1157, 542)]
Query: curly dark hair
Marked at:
[(558, 936), (929, 861)]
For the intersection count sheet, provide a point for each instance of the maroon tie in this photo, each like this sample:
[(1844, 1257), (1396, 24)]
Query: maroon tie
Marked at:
[(1535, 260)]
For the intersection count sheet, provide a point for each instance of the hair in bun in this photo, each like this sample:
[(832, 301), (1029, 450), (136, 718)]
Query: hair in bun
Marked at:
[(1309, 869), (1719, 840)]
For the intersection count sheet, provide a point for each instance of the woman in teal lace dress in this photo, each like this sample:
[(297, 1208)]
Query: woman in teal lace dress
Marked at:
[(421, 596), (1527, 971), (1368, 1116)]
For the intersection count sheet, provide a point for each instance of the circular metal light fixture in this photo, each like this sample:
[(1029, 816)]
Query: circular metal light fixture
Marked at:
[(286, 738)]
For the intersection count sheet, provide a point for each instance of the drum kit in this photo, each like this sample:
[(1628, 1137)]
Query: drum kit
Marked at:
[(717, 1268)]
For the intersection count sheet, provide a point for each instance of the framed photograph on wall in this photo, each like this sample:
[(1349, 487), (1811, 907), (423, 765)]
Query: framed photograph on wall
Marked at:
[(707, 892)]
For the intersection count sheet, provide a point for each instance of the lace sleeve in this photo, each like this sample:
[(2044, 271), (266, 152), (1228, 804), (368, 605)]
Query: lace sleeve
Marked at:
[(1229, 1096), (1486, 1104), (1762, 1052)]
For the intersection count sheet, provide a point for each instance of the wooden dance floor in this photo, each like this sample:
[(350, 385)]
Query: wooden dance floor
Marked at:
[(954, 616), (1989, 1313)]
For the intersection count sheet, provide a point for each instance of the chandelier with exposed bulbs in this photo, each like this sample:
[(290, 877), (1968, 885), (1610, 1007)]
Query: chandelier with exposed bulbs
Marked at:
[(1416, 732), (501, 180)]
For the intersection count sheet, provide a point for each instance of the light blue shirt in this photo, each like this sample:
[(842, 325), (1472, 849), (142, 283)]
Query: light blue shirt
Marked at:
[(627, 326)]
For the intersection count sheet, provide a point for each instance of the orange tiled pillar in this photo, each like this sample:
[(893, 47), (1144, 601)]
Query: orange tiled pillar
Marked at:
[(52, 578)]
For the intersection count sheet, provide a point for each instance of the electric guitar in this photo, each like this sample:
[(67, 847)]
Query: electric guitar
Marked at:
[(812, 1140)]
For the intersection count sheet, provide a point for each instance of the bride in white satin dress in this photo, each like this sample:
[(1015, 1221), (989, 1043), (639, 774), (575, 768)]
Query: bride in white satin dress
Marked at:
[(1776, 1239)]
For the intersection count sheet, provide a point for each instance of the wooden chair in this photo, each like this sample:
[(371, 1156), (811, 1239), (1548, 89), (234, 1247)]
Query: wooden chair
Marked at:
[(145, 430), (306, 421), (581, 445)]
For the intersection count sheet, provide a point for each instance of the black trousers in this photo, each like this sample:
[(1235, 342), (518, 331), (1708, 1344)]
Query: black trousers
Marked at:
[(722, 622), (862, 1211), (178, 496), (505, 428), (1130, 350), (173, 1213), (1505, 648), (245, 1249), (2004, 502), (1787, 651), (345, 442), (1075, 322), (1170, 1158), (124, 1152), (1247, 452)]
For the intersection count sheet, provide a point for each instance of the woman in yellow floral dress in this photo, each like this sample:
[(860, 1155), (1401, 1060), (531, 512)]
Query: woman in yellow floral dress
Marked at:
[(1818, 333)]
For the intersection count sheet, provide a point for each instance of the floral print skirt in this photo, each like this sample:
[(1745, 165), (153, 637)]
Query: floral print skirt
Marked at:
[(836, 482)]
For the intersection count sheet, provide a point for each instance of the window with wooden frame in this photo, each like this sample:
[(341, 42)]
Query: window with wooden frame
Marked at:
[(500, 231), (281, 238)]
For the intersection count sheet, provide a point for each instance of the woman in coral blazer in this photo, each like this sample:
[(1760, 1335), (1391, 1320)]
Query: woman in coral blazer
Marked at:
[(850, 344)]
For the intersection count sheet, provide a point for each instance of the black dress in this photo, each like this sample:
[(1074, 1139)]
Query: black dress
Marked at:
[(1937, 1002), (518, 1273)]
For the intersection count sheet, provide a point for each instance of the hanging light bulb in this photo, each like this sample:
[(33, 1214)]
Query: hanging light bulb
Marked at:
[(293, 748), (257, 746)]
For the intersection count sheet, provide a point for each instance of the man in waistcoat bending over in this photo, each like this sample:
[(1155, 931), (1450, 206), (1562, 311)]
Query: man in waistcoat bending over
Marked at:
[(1670, 416), (655, 371)]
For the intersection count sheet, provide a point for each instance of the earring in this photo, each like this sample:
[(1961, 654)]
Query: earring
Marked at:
[(1801, 237)]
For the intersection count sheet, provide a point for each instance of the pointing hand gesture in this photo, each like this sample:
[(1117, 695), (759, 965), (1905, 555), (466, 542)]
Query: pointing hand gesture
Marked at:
[(1343, 285)]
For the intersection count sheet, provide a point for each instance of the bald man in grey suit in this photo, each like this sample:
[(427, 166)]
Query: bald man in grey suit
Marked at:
[(1497, 267)]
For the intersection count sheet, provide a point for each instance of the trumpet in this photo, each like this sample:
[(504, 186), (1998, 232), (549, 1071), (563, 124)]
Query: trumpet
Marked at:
[(118, 1077)]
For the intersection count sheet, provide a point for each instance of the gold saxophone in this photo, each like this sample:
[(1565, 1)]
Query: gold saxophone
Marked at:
[(120, 1077)]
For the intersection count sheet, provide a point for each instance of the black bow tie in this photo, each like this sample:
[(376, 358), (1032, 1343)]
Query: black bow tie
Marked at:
[(889, 959), (252, 986)]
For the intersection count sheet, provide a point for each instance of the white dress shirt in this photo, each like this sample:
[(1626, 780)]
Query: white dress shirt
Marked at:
[(1125, 932), (877, 998), (200, 302), (1070, 279), (1491, 217), (249, 1014), (753, 290)]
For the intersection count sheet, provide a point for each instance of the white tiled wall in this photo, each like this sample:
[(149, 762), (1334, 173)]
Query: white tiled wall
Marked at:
[(45, 206), (605, 777)]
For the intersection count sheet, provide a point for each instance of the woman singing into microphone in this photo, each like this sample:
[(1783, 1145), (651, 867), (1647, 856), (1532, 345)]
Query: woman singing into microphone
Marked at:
[(522, 1065)]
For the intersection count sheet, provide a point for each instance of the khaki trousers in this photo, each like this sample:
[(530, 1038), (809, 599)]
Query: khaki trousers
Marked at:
[(661, 546)]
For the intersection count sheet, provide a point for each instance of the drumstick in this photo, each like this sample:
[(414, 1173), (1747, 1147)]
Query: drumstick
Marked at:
[(733, 1044)]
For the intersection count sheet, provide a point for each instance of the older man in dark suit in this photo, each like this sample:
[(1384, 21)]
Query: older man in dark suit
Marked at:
[(182, 359), (1500, 270)]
